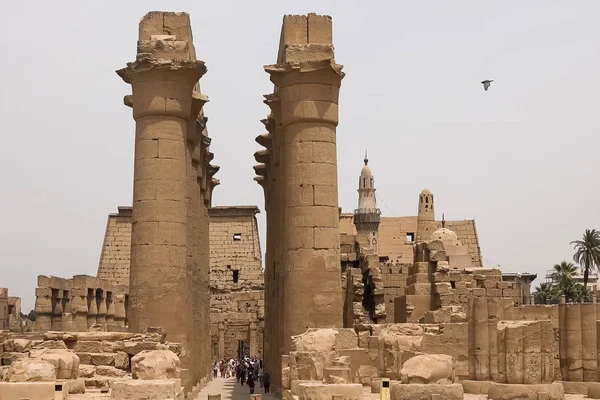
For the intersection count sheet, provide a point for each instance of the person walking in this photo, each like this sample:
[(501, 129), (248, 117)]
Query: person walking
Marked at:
[(260, 376), (266, 381), (251, 383), (215, 369)]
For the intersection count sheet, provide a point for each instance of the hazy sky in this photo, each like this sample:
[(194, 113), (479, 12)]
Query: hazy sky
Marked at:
[(520, 158)]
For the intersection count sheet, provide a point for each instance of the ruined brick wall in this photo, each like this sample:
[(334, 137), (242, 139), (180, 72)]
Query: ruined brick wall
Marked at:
[(393, 232), (116, 250)]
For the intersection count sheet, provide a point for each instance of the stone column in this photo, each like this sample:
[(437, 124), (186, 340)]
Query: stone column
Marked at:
[(479, 339), (588, 341), (102, 308), (110, 309), (159, 286), (221, 340), (92, 312), (43, 309), (119, 303), (309, 116), (79, 308), (253, 339), (57, 312)]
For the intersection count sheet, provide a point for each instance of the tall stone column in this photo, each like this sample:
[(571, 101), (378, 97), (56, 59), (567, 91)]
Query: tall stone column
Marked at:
[(43, 309), (79, 308), (309, 115), (159, 287), (221, 340), (102, 308), (119, 302), (92, 312), (253, 339)]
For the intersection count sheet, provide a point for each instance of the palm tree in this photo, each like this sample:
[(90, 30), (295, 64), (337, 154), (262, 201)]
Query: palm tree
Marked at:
[(563, 276), (580, 293), (587, 252), (545, 293)]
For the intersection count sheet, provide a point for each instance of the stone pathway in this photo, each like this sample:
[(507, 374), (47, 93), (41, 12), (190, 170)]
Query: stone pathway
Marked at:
[(229, 389)]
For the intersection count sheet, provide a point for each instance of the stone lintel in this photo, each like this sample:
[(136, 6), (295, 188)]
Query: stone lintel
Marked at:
[(233, 211)]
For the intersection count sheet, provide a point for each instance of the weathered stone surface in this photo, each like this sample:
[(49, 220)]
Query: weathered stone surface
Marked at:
[(86, 371), (64, 336), (400, 391), (503, 391), (86, 346), (321, 391), (17, 345), (29, 370), (9, 357), (346, 338), (76, 386), (315, 340), (133, 347), (50, 344), (155, 364), (65, 362), (428, 368), (139, 390), (105, 370), (121, 360)]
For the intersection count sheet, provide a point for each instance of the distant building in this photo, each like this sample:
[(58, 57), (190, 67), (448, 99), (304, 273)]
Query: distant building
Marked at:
[(10, 310), (592, 284)]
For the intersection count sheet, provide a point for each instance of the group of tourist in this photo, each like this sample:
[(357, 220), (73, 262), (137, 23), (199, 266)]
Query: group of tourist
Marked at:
[(247, 372)]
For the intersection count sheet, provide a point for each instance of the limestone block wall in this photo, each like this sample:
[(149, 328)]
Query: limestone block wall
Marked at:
[(78, 303), (237, 303), (116, 248)]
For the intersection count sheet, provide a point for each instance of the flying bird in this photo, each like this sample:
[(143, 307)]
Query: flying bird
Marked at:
[(487, 83)]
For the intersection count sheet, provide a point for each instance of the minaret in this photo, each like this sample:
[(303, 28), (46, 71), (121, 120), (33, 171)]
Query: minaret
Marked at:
[(426, 224), (367, 215)]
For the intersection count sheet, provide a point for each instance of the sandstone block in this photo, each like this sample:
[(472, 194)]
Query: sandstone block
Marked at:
[(32, 390), (17, 345), (363, 339), (337, 375), (105, 370), (133, 347), (321, 391), (146, 389), (28, 370), (50, 344), (428, 368), (504, 391), (65, 362), (315, 340), (82, 346), (10, 357), (346, 338), (64, 336), (121, 360), (86, 371), (155, 364), (425, 392), (76, 386)]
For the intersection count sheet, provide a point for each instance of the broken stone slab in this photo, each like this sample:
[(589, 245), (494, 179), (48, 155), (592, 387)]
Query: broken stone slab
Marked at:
[(30, 370), (65, 362), (17, 345), (146, 389), (428, 368), (155, 364), (75, 386), (86, 371), (400, 391), (50, 344), (10, 357), (506, 391), (105, 370), (337, 375), (132, 347)]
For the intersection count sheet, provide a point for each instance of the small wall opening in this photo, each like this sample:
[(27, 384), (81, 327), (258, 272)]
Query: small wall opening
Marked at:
[(410, 236), (236, 275), (237, 237)]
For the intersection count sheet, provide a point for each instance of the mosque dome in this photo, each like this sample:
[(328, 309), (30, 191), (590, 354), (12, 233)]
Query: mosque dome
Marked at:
[(444, 234)]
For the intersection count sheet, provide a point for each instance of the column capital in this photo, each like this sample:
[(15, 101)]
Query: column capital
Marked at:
[(260, 169), (162, 68), (320, 71), (262, 156), (265, 140), (269, 123)]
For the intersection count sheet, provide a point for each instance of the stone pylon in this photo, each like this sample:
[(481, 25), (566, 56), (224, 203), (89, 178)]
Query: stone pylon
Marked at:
[(173, 182), (298, 170)]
